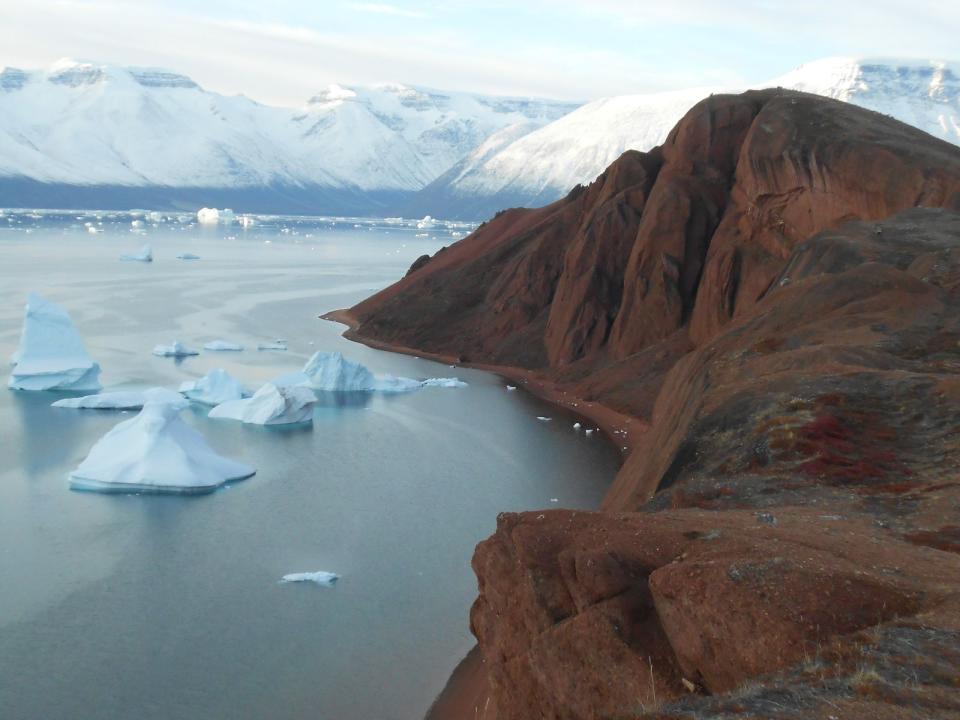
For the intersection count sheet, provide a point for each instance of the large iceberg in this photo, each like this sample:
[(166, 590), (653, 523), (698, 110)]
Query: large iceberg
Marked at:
[(271, 405), (176, 349), (51, 355), (123, 400), (144, 255), (155, 452), (214, 388)]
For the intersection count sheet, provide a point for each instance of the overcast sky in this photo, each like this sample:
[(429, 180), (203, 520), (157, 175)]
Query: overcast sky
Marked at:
[(281, 51)]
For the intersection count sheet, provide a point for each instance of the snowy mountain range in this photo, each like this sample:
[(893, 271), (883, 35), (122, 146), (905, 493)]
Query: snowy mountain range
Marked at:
[(80, 134), (543, 165)]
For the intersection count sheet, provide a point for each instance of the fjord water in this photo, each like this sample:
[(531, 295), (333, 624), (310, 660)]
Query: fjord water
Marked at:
[(139, 606)]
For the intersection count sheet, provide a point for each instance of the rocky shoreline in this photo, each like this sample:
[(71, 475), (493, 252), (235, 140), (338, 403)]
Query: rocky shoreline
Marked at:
[(772, 300)]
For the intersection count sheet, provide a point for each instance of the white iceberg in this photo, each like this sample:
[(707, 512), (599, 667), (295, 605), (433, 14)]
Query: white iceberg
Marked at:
[(246, 221), (155, 452), (511, 388), (331, 372), (123, 400), (187, 256), (214, 388), (222, 346), (51, 355), (270, 405), (145, 255), (321, 577), (426, 223), (208, 216), (176, 349), (541, 418), (278, 345)]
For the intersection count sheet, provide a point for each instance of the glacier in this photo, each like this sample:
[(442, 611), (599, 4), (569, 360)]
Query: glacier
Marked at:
[(320, 577), (145, 254), (176, 349), (155, 452), (214, 388), (51, 354), (123, 400), (270, 405)]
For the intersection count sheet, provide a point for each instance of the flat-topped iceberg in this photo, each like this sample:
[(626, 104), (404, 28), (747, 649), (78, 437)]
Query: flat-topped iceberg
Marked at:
[(222, 346), (175, 349), (276, 345), (271, 405), (51, 355), (145, 254), (214, 388), (331, 372), (155, 452), (187, 256), (320, 577), (123, 400)]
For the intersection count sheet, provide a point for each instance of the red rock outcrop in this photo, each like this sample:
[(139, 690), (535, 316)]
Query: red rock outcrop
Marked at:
[(776, 291)]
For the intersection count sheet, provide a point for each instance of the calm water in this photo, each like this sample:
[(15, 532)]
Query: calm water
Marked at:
[(169, 608)]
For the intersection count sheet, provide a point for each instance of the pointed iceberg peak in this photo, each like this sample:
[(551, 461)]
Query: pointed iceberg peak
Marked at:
[(155, 452), (331, 372), (51, 355)]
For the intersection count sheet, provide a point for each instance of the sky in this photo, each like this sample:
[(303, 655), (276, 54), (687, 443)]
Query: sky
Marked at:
[(281, 52)]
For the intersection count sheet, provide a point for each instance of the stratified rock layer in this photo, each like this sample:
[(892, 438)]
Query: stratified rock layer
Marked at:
[(776, 291)]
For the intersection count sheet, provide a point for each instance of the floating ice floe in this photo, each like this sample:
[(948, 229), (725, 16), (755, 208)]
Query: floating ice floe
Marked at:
[(270, 405), (321, 577), (145, 255), (156, 452), (187, 256), (51, 355), (511, 388), (177, 349), (588, 431), (123, 400), (443, 382), (276, 345), (222, 346), (541, 418), (214, 388)]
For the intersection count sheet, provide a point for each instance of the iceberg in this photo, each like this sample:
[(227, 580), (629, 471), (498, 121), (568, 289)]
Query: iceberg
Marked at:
[(155, 452), (331, 372), (187, 256), (321, 577), (511, 388), (177, 349), (51, 355), (443, 382), (123, 400), (270, 405), (278, 345), (208, 216), (145, 255), (541, 418), (214, 388), (222, 346), (426, 223)]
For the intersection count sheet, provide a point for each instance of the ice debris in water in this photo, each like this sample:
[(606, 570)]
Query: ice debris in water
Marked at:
[(123, 400), (144, 255), (511, 388), (577, 426), (187, 256), (222, 346), (270, 405), (176, 349), (541, 418), (588, 431), (51, 355), (156, 452), (276, 345), (321, 577), (214, 388)]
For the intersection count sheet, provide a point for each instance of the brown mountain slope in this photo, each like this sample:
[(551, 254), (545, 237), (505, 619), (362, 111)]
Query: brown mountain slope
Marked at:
[(777, 292)]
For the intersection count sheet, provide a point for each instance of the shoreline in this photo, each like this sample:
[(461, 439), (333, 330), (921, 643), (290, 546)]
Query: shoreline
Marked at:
[(466, 695)]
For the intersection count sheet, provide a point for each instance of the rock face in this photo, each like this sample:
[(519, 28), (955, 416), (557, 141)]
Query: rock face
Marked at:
[(776, 291)]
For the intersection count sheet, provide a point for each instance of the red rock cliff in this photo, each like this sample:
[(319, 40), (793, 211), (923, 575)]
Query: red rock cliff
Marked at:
[(777, 291)]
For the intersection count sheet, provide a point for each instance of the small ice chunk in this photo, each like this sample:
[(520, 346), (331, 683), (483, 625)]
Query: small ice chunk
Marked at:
[(588, 431), (123, 400), (246, 221), (541, 418), (214, 388), (156, 452), (554, 500), (444, 382), (144, 255), (511, 388), (177, 349), (51, 355), (576, 426), (187, 256), (271, 405), (93, 230), (321, 577), (222, 346), (278, 345)]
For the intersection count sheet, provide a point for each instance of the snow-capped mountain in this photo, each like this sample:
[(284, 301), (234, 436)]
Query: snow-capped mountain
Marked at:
[(543, 165), (83, 130)]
